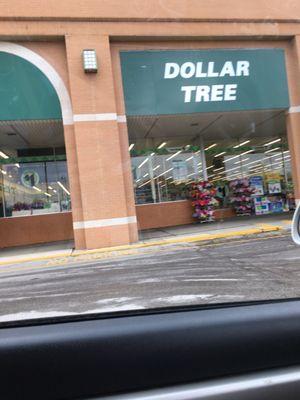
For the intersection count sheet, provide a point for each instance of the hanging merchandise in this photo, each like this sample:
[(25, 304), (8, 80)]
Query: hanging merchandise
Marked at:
[(203, 200), (241, 196)]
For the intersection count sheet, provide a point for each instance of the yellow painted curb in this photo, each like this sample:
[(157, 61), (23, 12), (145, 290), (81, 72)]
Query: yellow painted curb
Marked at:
[(29, 259), (123, 250), (287, 221), (184, 239)]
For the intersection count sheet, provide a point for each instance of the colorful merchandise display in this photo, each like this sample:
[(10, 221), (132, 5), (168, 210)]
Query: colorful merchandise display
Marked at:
[(290, 200), (275, 204), (257, 183), (241, 196), (203, 200), (261, 205)]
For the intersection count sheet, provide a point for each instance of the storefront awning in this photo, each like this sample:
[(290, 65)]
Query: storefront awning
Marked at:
[(25, 92)]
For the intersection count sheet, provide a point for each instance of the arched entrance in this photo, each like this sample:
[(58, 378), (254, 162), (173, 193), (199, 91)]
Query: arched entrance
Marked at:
[(35, 200)]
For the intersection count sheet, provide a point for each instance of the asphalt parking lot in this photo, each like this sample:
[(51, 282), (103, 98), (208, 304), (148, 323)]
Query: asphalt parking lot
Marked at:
[(254, 268)]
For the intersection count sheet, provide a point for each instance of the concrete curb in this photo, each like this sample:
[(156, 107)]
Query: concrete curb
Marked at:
[(125, 250)]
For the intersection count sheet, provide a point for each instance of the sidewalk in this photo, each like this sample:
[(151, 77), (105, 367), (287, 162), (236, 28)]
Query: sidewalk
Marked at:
[(283, 221), (234, 228)]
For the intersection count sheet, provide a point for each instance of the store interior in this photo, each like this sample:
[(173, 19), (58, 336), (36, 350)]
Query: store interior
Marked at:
[(33, 170), (239, 161)]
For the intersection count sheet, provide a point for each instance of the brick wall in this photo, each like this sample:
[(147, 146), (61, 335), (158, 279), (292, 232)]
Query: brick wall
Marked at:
[(22, 231), (150, 216), (152, 9)]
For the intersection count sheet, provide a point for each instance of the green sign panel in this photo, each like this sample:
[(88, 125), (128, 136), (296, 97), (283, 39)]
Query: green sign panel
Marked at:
[(25, 92), (193, 81)]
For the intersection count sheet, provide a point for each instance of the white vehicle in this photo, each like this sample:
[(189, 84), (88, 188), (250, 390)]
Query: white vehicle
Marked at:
[(296, 225)]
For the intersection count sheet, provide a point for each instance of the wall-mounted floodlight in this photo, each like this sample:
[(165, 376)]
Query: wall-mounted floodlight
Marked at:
[(89, 58)]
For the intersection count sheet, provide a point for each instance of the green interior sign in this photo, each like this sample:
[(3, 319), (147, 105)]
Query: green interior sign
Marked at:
[(193, 81)]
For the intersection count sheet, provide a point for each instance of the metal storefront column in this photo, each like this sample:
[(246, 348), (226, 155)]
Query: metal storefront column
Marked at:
[(106, 218)]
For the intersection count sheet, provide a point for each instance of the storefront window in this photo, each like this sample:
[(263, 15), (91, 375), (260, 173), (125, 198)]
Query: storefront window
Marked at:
[(33, 185), (33, 172), (208, 130), (244, 156)]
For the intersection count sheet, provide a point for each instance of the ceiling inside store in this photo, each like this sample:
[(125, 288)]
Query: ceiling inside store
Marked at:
[(150, 131), (30, 134), (180, 130)]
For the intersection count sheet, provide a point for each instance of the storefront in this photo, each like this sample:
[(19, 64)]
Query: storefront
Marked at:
[(157, 133), (210, 132)]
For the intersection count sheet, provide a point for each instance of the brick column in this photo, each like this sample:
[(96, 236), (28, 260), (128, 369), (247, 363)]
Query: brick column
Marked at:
[(293, 115), (107, 217)]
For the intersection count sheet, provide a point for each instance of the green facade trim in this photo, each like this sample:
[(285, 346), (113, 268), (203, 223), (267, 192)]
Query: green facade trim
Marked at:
[(25, 92), (196, 81), (32, 159)]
